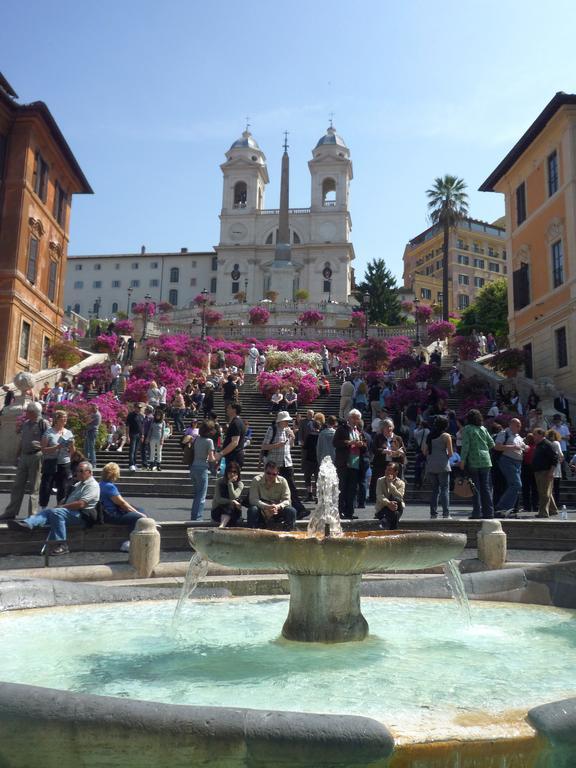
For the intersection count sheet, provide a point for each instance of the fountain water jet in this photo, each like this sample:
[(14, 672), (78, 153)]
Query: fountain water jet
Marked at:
[(325, 572)]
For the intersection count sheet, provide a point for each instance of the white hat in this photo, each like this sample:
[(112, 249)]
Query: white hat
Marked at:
[(283, 416)]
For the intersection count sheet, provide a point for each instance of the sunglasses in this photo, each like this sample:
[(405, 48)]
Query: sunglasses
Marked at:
[(271, 474)]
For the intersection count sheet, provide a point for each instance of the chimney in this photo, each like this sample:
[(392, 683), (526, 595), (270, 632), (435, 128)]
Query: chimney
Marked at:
[(143, 250), (183, 250)]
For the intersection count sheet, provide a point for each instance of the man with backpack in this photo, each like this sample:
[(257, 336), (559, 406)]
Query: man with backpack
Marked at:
[(511, 447), (543, 463), (29, 459)]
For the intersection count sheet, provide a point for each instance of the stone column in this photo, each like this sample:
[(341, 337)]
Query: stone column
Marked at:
[(492, 544), (145, 547)]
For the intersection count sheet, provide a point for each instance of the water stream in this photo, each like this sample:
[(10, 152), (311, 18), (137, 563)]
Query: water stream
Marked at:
[(456, 586), (197, 569), (326, 511)]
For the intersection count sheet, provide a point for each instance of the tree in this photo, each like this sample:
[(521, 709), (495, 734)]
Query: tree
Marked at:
[(448, 204), (488, 312), (380, 284)]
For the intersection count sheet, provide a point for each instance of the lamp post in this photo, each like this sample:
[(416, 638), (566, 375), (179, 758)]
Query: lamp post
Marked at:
[(205, 299), (366, 305), (128, 302), (416, 303), (97, 305), (245, 290), (147, 300)]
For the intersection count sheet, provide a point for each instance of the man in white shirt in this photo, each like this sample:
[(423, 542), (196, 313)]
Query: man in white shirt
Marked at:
[(115, 371), (564, 431), (511, 447), (253, 356)]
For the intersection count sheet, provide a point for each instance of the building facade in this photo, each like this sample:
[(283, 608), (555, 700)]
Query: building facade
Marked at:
[(38, 176), (103, 285), (476, 256), (538, 180), (320, 250)]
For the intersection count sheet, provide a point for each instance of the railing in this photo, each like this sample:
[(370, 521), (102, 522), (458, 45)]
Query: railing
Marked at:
[(291, 332), (276, 211)]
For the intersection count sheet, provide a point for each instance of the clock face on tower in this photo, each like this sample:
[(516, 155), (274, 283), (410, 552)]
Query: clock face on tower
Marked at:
[(237, 232)]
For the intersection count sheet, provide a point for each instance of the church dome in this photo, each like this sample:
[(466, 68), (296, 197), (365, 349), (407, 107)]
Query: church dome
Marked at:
[(246, 141), (331, 138)]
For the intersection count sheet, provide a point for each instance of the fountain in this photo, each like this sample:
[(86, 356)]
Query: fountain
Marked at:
[(325, 565)]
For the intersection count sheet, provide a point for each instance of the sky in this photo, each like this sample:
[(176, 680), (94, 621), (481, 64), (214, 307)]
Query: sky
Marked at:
[(150, 96)]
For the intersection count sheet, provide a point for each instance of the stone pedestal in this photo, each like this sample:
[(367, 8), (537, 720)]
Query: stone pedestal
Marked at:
[(145, 547), (492, 544), (325, 609), (282, 280)]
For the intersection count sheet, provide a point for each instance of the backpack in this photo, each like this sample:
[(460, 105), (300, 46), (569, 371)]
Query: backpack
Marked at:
[(264, 453)]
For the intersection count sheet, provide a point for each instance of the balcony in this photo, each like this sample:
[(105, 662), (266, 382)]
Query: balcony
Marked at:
[(276, 211)]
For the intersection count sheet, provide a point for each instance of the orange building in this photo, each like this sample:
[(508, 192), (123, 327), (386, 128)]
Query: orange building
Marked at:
[(38, 176), (538, 180)]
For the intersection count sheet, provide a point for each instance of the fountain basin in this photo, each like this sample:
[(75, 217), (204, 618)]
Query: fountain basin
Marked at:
[(325, 572)]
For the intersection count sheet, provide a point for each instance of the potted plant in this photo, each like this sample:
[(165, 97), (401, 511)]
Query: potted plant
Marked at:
[(272, 296), (509, 361), (240, 297), (258, 316), (358, 319), (310, 317), (440, 330), (64, 354), (302, 295), (467, 347)]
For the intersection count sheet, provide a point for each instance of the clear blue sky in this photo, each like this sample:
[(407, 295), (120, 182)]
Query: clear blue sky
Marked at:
[(150, 95)]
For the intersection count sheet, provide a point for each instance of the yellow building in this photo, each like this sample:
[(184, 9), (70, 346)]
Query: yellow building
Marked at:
[(538, 180), (476, 256)]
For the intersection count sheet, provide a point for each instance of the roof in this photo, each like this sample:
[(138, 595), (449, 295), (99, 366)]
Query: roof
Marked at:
[(5, 86), (474, 225), (246, 141), (331, 137), (560, 100), (140, 255), (40, 110)]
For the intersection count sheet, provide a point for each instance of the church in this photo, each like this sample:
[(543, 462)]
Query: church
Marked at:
[(285, 250)]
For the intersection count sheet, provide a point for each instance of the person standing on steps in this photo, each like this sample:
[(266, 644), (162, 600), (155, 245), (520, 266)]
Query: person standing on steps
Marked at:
[(253, 356), (233, 445), (543, 463), (350, 445), (511, 448), (199, 469), (135, 426), (92, 433), (476, 460), (346, 397), (438, 449), (276, 446)]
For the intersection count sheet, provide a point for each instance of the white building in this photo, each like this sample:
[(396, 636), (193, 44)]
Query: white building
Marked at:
[(261, 250), (319, 236), (111, 283)]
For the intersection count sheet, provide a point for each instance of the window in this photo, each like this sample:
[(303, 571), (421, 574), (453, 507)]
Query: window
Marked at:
[(561, 347), (116, 283), (425, 293), (478, 282), (463, 301), (117, 266), (52, 275), (329, 193), (134, 265), (59, 207), (504, 255), (97, 284), (493, 266), (45, 356), (463, 259), (461, 243), (327, 286), (520, 204), (79, 284), (78, 267), (134, 283), (552, 163), (557, 264), (173, 297), (154, 283), (213, 285), (40, 177), (32, 266), (235, 288), (97, 267), (438, 265), (153, 265), (192, 281), (240, 194), (463, 280), (114, 307), (476, 248), (174, 275), (269, 239), (521, 286), (479, 263), (296, 238), (25, 333), (194, 264), (529, 364), (492, 253), (214, 263)]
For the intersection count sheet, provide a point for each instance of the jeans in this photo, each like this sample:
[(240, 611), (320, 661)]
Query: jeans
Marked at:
[(348, 479), (288, 474), (129, 519), (286, 517), (482, 505), (56, 518), (135, 443), (511, 470), (90, 447), (199, 476), (440, 481), (178, 416)]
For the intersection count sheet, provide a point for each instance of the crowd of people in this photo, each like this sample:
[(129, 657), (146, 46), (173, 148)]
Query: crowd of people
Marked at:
[(511, 462)]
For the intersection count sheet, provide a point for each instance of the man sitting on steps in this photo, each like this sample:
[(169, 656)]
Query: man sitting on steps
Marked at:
[(270, 503)]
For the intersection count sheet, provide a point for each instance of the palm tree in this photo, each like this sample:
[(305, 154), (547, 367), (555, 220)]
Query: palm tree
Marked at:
[(448, 204)]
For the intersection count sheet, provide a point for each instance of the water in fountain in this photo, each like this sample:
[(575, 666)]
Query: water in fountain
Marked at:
[(197, 569), (456, 586), (326, 512)]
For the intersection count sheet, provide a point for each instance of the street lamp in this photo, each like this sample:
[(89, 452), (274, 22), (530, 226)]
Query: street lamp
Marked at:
[(128, 303), (416, 303), (366, 305), (97, 304), (147, 300), (204, 302), (245, 290)]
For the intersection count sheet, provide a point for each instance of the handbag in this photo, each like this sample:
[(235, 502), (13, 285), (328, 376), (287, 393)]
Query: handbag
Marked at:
[(188, 453), (464, 488)]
